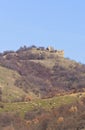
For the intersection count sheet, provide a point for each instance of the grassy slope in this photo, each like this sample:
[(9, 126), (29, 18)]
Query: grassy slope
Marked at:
[(9, 91), (47, 104), (50, 63)]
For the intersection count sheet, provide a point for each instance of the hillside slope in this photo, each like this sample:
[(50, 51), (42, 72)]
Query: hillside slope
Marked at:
[(41, 73), (9, 91)]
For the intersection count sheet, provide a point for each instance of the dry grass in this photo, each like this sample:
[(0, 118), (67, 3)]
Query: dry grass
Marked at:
[(7, 80)]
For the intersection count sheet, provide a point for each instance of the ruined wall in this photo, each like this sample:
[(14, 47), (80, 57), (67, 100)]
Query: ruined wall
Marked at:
[(59, 53)]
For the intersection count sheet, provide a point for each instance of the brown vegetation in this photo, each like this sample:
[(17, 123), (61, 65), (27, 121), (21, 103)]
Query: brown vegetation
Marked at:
[(65, 76), (63, 120)]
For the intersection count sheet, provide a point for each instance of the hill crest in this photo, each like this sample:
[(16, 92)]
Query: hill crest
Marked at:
[(34, 52)]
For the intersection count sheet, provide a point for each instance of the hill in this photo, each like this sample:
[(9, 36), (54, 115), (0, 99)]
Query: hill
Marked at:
[(41, 89), (41, 73)]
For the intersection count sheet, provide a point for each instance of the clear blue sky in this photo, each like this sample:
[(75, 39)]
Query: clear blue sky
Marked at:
[(58, 23)]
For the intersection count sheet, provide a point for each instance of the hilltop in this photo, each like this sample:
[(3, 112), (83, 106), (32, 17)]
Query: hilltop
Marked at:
[(40, 73)]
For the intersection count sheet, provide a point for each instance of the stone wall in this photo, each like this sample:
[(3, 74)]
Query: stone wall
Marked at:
[(59, 53)]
